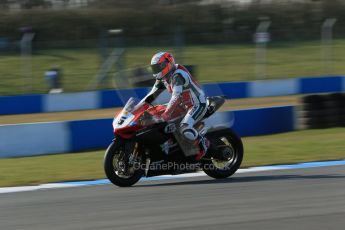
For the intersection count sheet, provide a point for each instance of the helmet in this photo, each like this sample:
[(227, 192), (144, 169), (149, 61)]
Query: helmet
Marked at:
[(162, 64)]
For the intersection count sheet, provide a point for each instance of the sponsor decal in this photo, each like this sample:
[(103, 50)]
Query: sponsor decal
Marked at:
[(166, 146)]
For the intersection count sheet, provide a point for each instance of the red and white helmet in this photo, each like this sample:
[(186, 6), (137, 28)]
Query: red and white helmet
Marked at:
[(162, 64)]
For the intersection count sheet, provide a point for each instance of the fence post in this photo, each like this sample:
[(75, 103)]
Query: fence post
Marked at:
[(114, 59), (327, 40), (179, 43), (261, 38), (26, 56), (120, 78)]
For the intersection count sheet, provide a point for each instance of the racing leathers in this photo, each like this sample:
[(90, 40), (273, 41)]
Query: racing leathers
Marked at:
[(187, 93)]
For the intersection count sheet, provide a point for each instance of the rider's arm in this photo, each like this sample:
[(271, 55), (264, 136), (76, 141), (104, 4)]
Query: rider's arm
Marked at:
[(178, 82), (156, 90)]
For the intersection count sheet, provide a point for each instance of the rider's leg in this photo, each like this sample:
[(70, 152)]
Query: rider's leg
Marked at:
[(187, 129)]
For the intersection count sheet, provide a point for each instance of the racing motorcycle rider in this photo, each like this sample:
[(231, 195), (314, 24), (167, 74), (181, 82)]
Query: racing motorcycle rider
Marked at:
[(185, 91)]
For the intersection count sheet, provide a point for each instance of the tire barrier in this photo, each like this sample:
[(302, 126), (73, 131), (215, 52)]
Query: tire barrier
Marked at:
[(324, 110)]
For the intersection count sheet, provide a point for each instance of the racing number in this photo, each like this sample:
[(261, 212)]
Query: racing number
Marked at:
[(123, 118)]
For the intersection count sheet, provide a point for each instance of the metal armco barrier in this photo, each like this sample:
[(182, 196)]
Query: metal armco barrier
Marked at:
[(324, 110)]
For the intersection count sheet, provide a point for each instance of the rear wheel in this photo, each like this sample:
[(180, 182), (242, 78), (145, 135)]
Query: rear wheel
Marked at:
[(122, 163), (228, 144)]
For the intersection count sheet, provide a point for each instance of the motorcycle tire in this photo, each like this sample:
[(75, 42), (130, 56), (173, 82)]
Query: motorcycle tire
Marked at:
[(237, 145), (109, 170)]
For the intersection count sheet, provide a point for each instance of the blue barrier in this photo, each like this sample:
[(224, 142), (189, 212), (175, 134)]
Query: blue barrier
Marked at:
[(265, 88), (229, 90), (212, 89), (116, 98), (21, 104), (73, 136), (262, 121), (70, 101), (34, 139), (321, 84), (235, 90), (90, 134)]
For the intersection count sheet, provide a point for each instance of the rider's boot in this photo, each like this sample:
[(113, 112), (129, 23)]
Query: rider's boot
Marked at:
[(203, 143)]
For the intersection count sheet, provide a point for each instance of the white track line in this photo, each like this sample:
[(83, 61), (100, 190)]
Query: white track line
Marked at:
[(168, 177)]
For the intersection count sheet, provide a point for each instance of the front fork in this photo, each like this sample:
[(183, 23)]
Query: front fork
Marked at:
[(147, 165), (130, 157), (134, 158)]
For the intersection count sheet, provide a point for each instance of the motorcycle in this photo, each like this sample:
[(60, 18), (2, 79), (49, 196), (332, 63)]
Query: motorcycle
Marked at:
[(145, 145)]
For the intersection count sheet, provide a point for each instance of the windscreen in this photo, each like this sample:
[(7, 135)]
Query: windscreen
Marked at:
[(130, 105)]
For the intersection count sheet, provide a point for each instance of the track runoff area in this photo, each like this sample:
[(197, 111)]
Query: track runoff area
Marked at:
[(284, 197), (171, 177)]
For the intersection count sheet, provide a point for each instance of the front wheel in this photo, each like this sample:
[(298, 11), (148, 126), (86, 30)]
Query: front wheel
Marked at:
[(228, 143), (122, 163)]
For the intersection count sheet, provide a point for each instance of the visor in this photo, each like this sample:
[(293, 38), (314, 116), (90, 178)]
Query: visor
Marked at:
[(157, 68)]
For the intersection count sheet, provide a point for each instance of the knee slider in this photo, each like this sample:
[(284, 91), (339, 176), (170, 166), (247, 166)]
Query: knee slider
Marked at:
[(189, 133)]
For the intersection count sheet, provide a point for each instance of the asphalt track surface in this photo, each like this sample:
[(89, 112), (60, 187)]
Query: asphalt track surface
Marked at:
[(312, 198)]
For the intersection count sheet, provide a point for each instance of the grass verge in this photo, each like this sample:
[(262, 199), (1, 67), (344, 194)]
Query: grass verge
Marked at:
[(292, 147), (214, 63)]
